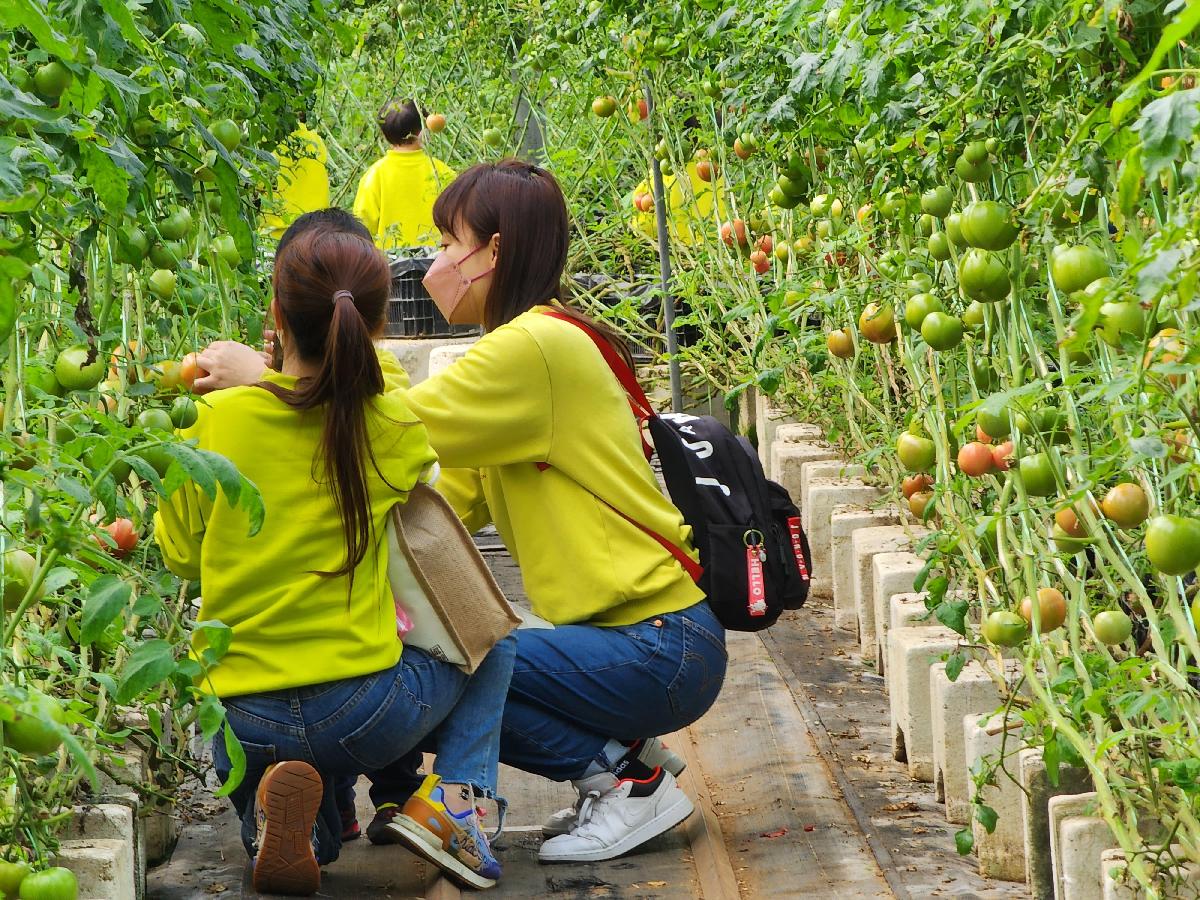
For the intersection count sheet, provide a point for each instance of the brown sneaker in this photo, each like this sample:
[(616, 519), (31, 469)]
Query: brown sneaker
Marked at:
[(287, 802)]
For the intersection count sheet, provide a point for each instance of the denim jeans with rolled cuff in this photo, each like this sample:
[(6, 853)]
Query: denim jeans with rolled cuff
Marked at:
[(575, 687), (357, 725)]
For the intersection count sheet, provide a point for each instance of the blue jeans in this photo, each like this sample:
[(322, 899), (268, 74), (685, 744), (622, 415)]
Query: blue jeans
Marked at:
[(358, 725), (576, 687)]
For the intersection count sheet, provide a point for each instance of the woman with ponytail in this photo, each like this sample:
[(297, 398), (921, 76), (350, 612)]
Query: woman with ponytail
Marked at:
[(315, 683)]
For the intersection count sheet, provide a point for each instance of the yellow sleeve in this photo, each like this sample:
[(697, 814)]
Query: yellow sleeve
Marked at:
[(366, 203), (445, 174), (395, 378), (463, 489), (493, 407)]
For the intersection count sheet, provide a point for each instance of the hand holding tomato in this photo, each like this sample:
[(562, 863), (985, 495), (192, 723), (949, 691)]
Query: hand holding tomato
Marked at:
[(228, 364)]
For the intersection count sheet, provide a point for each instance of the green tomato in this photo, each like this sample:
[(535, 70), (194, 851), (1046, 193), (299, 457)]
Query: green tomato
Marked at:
[(155, 420), (158, 457), (953, 226), (937, 201), (994, 420), (493, 137), (1005, 629), (1173, 544), (20, 568), (41, 376), (1074, 268), (132, 246), (32, 730), (918, 307), (917, 454), (226, 249), (1121, 321), (973, 315), (975, 152), (1037, 474), (780, 198), (973, 173), (227, 133), (794, 187), (11, 876), (938, 246), (74, 372), (52, 79), (942, 331), (184, 412), (989, 225), (52, 884), (162, 283), (167, 255), (1112, 627), (983, 276), (177, 225)]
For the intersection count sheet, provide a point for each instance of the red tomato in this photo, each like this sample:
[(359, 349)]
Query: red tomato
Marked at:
[(975, 459), (1002, 456), (124, 535), (982, 436)]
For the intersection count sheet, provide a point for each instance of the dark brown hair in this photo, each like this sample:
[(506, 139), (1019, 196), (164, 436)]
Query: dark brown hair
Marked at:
[(332, 290), (524, 205), (400, 121)]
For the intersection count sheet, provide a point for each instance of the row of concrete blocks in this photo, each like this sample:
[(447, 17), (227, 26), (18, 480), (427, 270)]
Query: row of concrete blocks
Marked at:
[(110, 843), (1046, 835)]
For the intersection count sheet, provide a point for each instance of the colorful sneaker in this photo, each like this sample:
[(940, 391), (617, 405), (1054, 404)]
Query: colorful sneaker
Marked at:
[(350, 829), (287, 802), (382, 829), (653, 752), (454, 843), (617, 815)]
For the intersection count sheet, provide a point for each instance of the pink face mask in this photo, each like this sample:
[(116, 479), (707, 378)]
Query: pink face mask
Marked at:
[(447, 284)]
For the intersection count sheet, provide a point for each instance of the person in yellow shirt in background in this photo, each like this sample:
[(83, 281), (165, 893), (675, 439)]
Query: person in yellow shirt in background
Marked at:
[(303, 182), (396, 194), (690, 202)]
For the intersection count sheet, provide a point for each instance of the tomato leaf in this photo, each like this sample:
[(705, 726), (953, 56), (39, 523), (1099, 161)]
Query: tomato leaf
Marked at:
[(195, 465), (146, 472), (106, 598), (81, 757), (217, 635), (964, 841), (29, 15), (986, 816), (73, 488), (210, 714), (953, 614), (57, 578), (226, 474), (1166, 126), (237, 760), (251, 501), (123, 17), (148, 666), (1185, 23), (954, 665)]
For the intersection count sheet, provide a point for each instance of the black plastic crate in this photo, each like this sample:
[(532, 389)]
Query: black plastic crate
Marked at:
[(411, 311)]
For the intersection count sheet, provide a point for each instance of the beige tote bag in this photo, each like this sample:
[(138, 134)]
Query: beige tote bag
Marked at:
[(442, 582)]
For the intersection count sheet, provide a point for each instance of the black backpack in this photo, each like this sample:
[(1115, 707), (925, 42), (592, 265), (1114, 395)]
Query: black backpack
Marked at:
[(754, 556)]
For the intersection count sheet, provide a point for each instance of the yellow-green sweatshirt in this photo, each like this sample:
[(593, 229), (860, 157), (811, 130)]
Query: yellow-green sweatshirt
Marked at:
[(291, 627), (538, 391), (396, 195)]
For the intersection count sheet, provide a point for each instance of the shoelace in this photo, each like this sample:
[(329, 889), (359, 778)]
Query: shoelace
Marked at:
[(587, 805)]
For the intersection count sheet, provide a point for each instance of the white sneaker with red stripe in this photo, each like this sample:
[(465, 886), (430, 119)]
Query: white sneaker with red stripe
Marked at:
[(653, 752), (617, 815)]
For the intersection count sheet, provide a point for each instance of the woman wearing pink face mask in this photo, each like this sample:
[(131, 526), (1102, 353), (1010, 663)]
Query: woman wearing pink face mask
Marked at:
[(535, 434)]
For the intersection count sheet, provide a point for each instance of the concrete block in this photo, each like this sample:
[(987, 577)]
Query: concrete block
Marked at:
[(910, 610), (160, 828), (1181, 881), (843, 522), (1001, 853), (768, 418), (786, 460), (414, 354), (1058, 810), (973, 693), (865, 544), (798, 432), (1035, 814), (1082, 841), (825, 469), (114, 822), (443, 357), (911, 654), (893, 573), (825, 495), (102, 867)]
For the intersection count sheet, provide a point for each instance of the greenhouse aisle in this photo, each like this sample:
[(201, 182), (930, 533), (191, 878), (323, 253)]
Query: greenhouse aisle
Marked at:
[(796, 794)]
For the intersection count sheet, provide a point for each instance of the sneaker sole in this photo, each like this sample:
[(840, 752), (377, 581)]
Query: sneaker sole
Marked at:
[(660, 824), (382, 835), (419, 840), (286, 863)]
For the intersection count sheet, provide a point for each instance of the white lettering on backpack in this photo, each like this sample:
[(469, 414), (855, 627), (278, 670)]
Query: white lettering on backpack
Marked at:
[(703, 449), (712, 482)]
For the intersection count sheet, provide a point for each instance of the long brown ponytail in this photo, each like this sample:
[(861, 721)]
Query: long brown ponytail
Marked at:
[(332, 290)]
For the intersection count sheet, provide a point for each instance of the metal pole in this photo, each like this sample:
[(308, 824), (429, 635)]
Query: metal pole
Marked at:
[(664, 267)]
